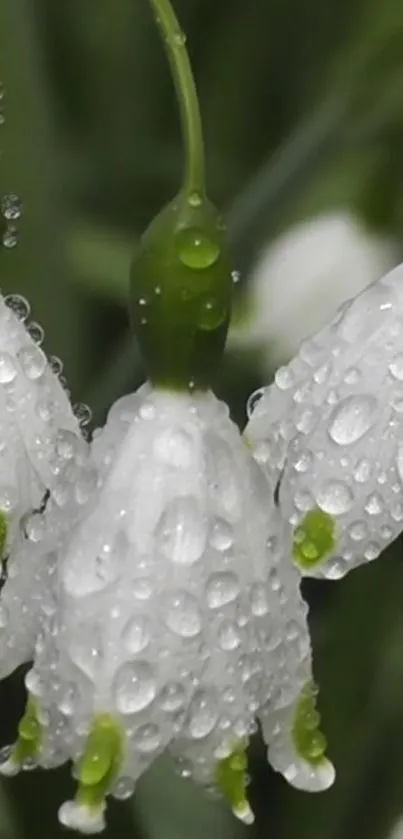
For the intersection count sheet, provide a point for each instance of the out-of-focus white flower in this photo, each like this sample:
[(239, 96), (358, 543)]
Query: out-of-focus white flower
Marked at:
[(176, 623), (41, 445), (397, 831), (330, 431), (301, 279)]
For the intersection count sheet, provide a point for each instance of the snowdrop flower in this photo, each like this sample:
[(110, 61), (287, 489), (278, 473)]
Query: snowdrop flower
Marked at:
[(176, 623), (41, 442), (301, 279), (329, 430)]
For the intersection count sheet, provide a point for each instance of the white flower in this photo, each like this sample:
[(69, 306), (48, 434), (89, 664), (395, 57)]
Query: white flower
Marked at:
[(40, 442), (175, 623), (330, 430), (302, 278)]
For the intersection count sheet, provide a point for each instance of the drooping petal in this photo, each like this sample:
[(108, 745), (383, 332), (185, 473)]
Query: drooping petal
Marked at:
[(156, 593), (329, 430)]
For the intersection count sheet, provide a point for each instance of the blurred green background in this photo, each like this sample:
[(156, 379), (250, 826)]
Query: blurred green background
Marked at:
[(303, 109)]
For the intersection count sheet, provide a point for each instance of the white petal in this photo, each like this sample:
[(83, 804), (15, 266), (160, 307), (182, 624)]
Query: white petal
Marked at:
[(81, 818), (332, 421)]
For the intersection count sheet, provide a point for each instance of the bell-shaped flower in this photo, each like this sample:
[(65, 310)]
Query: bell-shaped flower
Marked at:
[(302, 277), (329, 431), (40, 448), (175, 624)]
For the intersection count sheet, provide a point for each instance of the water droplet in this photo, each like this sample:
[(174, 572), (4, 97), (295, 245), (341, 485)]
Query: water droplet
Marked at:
[(4, 617), (134, 687), (36, 332), (228, 636), (352, 419), (374, 505), (195, 199), (362, 472), (335, 498), (372, 551), (203, 714), (179, 38), (136, 634), (33, 362), (304, 462), (196, 249), (253, 401), (18, 305), (56, 365), (221, 536), (322, 374), (358, 531), (182, 531), (68, 702), (183, 615), (284, 378), (172, 697), (83, 413), (147, 738), (10, 236), (175, 448), (236, 277), (222, 588), (123, 788), (352, 376), (396, 367), (7, 368), (11, 207), (258, 600), (142, 588), (212, 314)]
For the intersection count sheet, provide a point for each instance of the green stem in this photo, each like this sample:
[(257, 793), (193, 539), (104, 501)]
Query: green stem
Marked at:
[(174, 40)]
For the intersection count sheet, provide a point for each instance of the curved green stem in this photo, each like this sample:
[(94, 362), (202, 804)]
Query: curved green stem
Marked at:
[(174, 40)]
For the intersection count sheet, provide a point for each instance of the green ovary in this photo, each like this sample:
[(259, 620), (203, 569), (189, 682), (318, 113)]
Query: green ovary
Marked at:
[(308, 740), (313, 539), (101, 761), (231, 780)]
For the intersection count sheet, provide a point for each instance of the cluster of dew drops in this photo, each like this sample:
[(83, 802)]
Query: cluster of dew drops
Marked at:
[(11, 205)]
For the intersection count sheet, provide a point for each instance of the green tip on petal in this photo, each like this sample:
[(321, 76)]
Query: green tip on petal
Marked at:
[(97, 768), (308, 740), (29, 735), (181, 290), (313, 539), (3, 533), (231, 780)]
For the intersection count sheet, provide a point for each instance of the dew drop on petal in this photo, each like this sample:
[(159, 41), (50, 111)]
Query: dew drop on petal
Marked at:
[(334, 497), (7, 368), (136, 634), (396, 367), (172, 697), (222, 535), (135, 687), (18, 305), (123, 788), (182, 531), (33, 362), (203, 714), (83, 413), (253, 401), (352, 418), (222, 588), (183, 615), (147, 738)]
